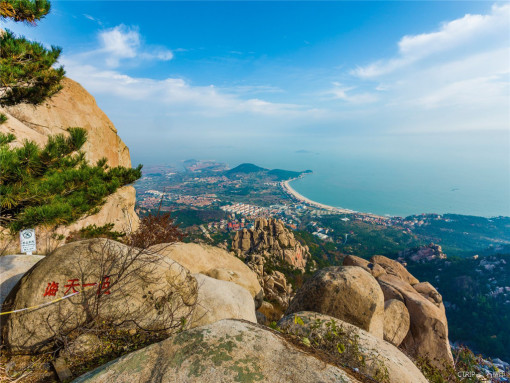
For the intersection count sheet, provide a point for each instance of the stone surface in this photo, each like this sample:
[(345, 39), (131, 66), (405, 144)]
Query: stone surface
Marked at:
[(390, 292), (374, 269), (214, 262), (348, 293), (378, 354), (153, 292), (219, 300), (396, 321), (394, 268), (428, 334), (225, 351), (429, 292), (12, 268)]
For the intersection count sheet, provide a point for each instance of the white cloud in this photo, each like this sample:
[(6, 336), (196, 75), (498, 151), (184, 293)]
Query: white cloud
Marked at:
[(457, 36), (452, 79), (122, 42), (344, 93), (176, 94)]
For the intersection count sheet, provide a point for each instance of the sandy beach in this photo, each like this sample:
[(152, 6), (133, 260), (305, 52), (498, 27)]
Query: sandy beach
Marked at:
[(286, 186)]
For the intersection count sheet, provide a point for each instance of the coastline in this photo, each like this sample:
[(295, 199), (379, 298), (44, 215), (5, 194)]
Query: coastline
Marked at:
[(286, 186)]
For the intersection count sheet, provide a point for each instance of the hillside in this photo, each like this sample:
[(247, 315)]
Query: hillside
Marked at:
[(275, 174)]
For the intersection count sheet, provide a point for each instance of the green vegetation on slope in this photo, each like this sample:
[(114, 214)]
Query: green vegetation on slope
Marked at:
[(464, 235)]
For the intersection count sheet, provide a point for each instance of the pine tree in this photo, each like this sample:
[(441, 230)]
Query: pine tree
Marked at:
[(54, 184), (24, 10), (27, 73)]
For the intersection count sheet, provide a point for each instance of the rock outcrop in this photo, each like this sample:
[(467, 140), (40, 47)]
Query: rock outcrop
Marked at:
[(270, 238), (213, 262), (219, 300), (382, 359), (270, 241), (348, 293), (428, 333), (225, 351), (73, 106), (428, 328), (423, 253), (152, 292)]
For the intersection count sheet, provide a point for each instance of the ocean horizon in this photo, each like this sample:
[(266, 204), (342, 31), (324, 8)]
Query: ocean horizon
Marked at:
[(387, 188)]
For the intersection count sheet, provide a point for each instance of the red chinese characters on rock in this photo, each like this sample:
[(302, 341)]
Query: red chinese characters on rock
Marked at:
[(104, 287), (51, 289), (73, 283)]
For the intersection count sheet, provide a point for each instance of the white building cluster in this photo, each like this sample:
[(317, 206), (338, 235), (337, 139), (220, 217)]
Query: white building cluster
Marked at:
[(245, 209)]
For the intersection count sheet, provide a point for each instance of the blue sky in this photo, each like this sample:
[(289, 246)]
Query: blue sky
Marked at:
[(242, 80)]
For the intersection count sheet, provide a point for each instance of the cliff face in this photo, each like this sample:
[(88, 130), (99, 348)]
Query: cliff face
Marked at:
[(73, 106)]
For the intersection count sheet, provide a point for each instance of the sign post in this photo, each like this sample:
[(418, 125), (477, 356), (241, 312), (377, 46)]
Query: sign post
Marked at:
[(27, 241)]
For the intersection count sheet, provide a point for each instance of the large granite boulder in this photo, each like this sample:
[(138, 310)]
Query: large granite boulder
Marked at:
[(219, 300), (428, 333), (113, 283), (396, 321), (394, 268), (12, 268), (348, 293), (382, 360), (222, 352), (214, 262)]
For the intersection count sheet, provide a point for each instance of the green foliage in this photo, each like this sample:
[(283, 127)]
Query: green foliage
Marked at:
[(24, 10), (466, 369), (464, 235), (3, 118), (27, 73), (336, 344), (93, 231), (54, 184)]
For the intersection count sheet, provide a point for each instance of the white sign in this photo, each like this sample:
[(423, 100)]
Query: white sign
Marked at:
[(27, 240)]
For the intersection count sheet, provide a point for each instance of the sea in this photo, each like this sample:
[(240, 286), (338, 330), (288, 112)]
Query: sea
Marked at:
[(413, 179), (394, 188)]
